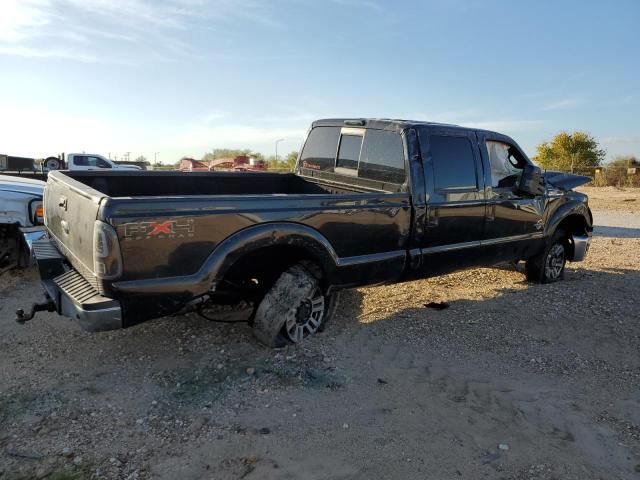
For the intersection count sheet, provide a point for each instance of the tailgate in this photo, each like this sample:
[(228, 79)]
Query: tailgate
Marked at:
[(71, 209)]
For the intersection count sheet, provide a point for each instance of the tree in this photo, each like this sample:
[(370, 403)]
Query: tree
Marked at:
[(286, 163), (624, 161), (291, 159), (141, 158), (569, 151)]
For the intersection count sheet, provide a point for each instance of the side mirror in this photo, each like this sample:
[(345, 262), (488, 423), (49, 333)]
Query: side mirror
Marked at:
[(531, 180)]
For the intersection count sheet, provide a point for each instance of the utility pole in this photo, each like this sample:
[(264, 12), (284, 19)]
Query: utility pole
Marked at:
[(277, 142), (155, 157), (126, 155)]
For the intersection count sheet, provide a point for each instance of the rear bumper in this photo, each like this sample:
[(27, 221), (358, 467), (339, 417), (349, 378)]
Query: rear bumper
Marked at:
[(73, 295)]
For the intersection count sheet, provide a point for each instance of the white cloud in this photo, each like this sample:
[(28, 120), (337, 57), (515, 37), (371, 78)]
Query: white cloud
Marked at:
[(475, 118), (366, 4), (55, 131), (20, 18), (212, 116), (564, 104), (58, 52), (197, 139), (506, 125), (152, 29)]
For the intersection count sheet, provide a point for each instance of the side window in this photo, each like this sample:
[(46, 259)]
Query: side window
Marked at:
[(454, 166), (80, 160), (382, 157), (349, 154), (101, 162), (506, 166), (319, 152)]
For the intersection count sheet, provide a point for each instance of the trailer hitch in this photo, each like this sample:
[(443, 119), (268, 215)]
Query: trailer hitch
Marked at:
[(46, 306)]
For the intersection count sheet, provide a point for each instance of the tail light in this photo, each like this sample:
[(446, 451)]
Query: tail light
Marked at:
[(107, 259), (39, 213), (36, 212)]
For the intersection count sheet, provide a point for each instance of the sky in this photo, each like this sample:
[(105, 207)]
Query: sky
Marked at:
[(173, 78)]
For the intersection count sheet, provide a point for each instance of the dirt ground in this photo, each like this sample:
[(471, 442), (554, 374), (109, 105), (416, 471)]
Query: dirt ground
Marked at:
[(511, 381)]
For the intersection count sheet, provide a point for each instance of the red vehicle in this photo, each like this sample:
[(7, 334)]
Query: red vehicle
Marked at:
[(244, 162), (191, 165), (240, 163)]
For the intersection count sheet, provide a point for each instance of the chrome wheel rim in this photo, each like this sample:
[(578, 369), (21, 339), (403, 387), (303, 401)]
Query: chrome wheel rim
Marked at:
[(306, 318), (555, 262)]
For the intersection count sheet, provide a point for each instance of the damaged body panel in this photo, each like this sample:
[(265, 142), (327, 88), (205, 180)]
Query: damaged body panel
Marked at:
[(370, 202)]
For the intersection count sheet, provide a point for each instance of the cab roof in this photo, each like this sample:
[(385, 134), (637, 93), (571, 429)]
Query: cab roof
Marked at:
[(394, 124)]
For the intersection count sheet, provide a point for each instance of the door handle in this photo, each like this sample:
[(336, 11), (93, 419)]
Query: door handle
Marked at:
[(432, 217), (491, 212)]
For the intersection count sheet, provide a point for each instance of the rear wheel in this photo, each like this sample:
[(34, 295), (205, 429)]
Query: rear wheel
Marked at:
[(52, 163), (548, 266), (294, 308)]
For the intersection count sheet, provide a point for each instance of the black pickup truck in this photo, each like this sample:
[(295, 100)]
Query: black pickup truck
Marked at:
[(371, 201)]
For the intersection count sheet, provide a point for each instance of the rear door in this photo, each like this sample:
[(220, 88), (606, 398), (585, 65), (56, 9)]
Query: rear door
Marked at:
[(455, 199)]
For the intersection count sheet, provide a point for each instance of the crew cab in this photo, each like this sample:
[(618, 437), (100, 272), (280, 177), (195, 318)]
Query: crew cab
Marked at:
[(86, 161), (371, 201)]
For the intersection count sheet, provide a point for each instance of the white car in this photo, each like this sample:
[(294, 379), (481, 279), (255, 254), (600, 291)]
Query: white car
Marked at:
[(21, 219)]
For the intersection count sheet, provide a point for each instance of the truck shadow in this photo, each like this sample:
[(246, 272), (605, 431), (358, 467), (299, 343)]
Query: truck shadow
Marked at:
[(586, 323)]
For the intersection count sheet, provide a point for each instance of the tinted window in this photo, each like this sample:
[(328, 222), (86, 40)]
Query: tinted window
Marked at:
[(80, 160), (349, 152), (382, 157), (319, 151), (453, 162)]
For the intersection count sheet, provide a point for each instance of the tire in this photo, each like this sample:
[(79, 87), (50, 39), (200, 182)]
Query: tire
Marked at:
[(548, 266), (52, 163), (294, 308)]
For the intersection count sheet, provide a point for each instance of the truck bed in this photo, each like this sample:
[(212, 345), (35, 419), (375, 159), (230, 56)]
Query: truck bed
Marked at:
[(169, 184), (168, 223)]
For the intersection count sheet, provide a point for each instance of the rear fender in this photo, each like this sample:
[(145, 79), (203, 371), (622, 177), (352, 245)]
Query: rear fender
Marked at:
[(231, 250)]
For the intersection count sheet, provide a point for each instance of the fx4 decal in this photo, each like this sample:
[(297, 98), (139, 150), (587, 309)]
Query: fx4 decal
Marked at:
[(182, 228)]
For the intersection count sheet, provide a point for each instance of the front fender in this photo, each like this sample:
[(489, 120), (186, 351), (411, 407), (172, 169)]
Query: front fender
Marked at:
[(564, 211)]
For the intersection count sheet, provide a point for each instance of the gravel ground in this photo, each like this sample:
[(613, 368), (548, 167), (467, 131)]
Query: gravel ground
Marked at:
[(511, 381)]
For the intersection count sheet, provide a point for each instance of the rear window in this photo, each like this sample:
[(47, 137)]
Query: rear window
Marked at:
[(319, 151), (382, 157), (376, 155), (453, 163), (349, 152)]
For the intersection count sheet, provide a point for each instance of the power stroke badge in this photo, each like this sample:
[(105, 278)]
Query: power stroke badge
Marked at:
[(183, 228)]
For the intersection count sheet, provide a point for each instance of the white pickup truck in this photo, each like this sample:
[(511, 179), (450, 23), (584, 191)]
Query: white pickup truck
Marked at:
[(88, 161), (12, 165), (21, 219), (21, 191)]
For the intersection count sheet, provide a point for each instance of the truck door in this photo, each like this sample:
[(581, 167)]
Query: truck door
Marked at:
[(455, 200), (88, 162), (514, 219)]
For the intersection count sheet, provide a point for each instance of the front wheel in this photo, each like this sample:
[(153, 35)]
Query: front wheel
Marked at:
[(294, 308), (548, 266)]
